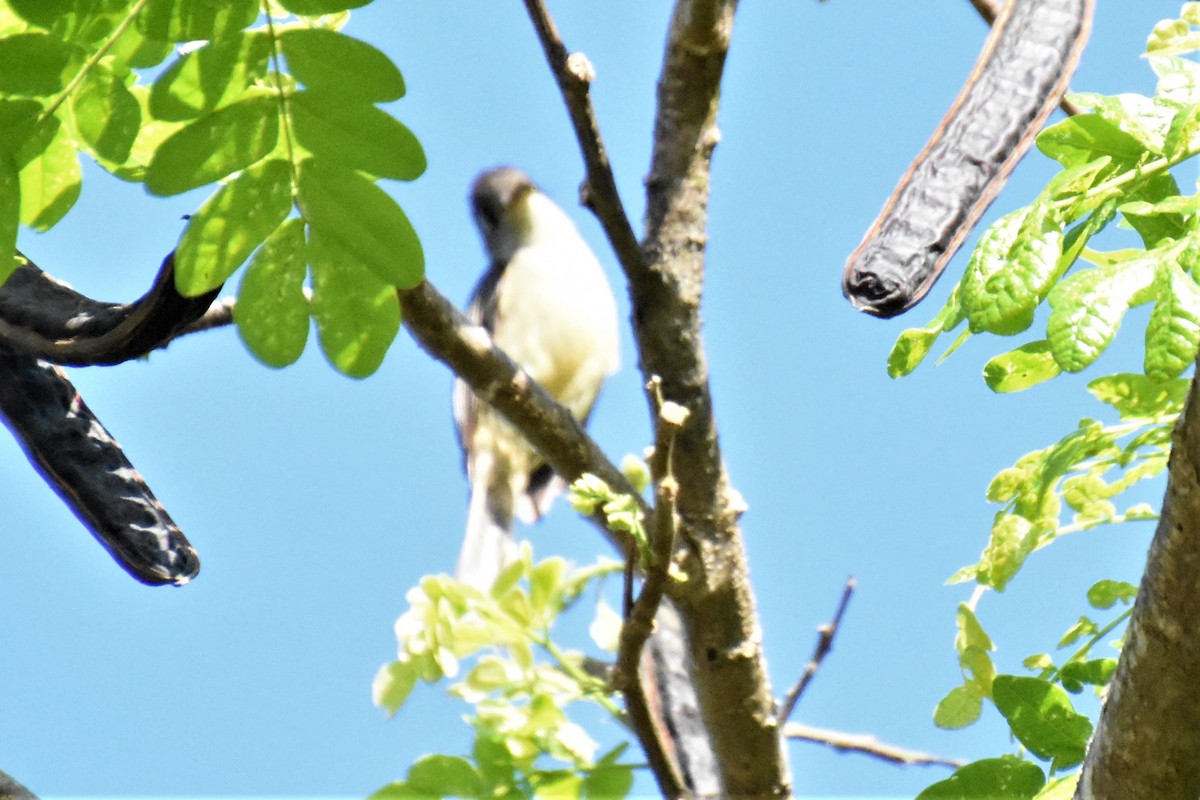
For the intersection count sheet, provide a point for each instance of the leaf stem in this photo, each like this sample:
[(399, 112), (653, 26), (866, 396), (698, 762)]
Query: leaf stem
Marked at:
[(92, 61)]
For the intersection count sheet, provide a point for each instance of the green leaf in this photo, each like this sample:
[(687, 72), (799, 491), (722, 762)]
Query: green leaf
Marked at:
[(989, 779), (1146, 119), (1178, 79), (150, 136), (25, 138), (195, 20), (1096, 672), (34, 64), (608, 783), (970, 632), (106, 115), (356, 136), (1013, 538), (1087, 309), (324, 59), (914, 344), (1105, 594), (1083, 138), (959, 708), (1030, 364), (1173, 333), (1134, 395), (493, 759), (1011, 270), (272, 311), (214, 146), (357, 314), (357, 217), (231, 224), (1060, 788), (392, 685), (50, 183), (10, 211), (1042, 718), (445, 776), (399, 790), (311, 8), (213, 76)]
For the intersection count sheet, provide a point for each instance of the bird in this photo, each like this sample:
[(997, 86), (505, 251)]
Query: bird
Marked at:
[(545, 302)]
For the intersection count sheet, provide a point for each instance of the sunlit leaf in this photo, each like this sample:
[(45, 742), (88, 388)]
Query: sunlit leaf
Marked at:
[(10, 210), (106, 115), (231, 224), (214, 146), (325, 59), (33, 64), (50, 184), (989, 779), (357, 314), (210, 77), (1040, 715), (357, 136), (1030, 364), (1173, 333), (195, 20), (272, 312), (356, 216)]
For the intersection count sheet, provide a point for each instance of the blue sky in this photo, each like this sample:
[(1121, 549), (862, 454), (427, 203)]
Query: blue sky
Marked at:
[(317, 501)]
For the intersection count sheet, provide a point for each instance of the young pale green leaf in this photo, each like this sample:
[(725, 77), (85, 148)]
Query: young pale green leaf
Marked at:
[(214, 146), (959, 708), (559, 785), (50, 183), (1060, 788), (392, 685), (1003, 287), (1173, 37), (1087, 309), (34, 64), (210, 77), (10, 212), (1083, 138), (1013, 538), (1030, 364), (325, 59), (1107, 593), (231, 224), (272, 311), (545, 589), (970, 632), (445, 776), (1007, 484), (1096, 672), (1183, 138), (312, 8), (357, 217), (1161, 227), (1173, 332), (107, 116), (1144, 118), (1040, 715), (355, 136), (1134, 395), (357, 314), (989, 779), (914, 344), (1178, 79), (196, 20)]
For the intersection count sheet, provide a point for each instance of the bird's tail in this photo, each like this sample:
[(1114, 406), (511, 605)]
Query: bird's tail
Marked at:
[(488, 545)]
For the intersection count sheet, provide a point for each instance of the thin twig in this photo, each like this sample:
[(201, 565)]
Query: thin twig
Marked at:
[(989, 10), (866, 744), (826, 634), (639, 621), (574, 76)]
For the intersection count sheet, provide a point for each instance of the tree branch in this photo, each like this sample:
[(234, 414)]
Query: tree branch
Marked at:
[(826, 634), (639, 625), (1147, 744), (574, 75), (865, 744)]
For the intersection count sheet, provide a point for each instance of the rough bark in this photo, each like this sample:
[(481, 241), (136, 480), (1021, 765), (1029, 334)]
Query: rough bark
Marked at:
[(1147, 744)]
